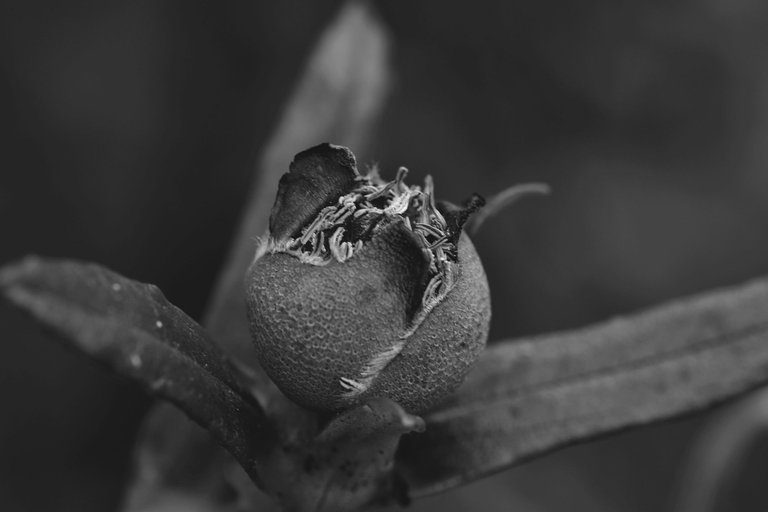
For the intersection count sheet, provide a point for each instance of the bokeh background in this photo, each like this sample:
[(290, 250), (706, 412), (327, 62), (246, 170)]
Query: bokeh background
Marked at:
[(130, 130)]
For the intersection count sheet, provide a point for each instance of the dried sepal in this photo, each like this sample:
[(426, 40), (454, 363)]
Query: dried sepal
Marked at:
[(349, 465)]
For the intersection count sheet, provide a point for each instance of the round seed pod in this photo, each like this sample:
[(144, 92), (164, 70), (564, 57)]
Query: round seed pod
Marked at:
[(365, 288)]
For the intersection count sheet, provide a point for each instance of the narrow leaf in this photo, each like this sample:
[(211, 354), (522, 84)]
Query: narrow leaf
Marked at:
[(134, 330), (527, 397), (337, 100), (720, 454)]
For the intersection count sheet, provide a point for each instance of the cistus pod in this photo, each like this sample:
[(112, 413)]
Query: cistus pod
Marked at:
[(365, 287)]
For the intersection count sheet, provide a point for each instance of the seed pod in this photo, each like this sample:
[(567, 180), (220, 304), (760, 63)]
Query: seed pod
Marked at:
[(365, 288)]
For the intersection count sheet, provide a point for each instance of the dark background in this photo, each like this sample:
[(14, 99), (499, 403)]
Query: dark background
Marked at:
[(129, 131)]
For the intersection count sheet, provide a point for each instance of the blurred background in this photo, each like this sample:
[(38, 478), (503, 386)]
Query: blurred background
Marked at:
[(130, 130)]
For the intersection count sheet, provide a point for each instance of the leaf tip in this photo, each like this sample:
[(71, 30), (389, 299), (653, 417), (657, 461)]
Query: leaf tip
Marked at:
[(12, 274)]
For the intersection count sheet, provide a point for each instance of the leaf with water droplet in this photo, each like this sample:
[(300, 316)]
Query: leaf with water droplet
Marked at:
[(133, 329)]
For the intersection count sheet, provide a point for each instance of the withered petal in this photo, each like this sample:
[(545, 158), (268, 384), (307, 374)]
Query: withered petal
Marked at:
[(316, 178)]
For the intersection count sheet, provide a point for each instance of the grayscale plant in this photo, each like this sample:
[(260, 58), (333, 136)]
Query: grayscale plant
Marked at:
[(369, 310)]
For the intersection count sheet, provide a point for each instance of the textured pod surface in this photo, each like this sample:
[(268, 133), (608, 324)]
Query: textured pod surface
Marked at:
[(365, 288), (315, 324), (441, 351)]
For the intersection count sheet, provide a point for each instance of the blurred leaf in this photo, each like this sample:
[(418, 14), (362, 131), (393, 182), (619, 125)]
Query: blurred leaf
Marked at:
[(721, 451), (175, 456), (135, 331), (527, 397), (349, 465), (337, 100)]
